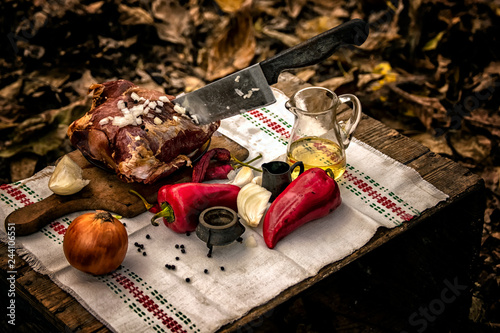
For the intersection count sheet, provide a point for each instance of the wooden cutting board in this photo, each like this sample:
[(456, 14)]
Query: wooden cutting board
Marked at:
[(106, 192)]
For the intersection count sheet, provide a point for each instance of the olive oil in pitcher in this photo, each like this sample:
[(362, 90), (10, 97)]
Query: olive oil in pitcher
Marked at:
[(317, 152)]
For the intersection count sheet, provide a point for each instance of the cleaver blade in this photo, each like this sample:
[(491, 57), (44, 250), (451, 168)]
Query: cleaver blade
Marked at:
[(234, 94)]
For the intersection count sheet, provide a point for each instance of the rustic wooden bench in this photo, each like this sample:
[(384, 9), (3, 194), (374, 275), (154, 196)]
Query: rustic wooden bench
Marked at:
[(414, 277)]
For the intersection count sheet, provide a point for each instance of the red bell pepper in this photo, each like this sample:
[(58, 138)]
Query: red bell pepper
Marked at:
[(182, 204), (312, 195)]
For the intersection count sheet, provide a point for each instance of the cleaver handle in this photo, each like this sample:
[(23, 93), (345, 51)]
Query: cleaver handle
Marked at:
[(316, 49)]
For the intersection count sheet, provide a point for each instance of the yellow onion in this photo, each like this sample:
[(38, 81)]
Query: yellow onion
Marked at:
[(95, 243)]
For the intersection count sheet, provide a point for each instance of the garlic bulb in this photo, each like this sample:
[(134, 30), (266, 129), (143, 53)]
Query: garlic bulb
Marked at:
[(67, 177), (252, 203), (243, 177)]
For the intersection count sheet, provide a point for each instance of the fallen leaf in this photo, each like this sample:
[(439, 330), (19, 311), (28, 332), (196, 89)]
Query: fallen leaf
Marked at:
[(388, 75), (310, 28), (232, 6), (23, 167), (12, 90), (134, 15), (384, 29), (433, 43), (489, 121), (286, 39), (234, 49), (335, 82), (175, 21), (94, 7), (474, 147), (193, 83), (81, 85), (306, 74), (107, 44), (368, 79), (294, 7), (438, 145), (425, 108), (44, 132), (491, 177)]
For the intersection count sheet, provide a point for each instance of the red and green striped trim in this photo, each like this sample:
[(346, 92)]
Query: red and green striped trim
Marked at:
[(379, 198), (147, 302), (270, 123)]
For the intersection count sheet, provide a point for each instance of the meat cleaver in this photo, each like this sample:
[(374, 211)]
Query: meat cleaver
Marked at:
[(249, 89)]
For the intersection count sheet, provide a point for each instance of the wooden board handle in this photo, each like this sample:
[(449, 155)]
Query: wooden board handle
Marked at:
[(34, 217), (37, 215)]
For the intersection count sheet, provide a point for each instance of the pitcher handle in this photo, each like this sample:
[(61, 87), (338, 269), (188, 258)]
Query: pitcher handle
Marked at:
[(353, 121), (299, 164)]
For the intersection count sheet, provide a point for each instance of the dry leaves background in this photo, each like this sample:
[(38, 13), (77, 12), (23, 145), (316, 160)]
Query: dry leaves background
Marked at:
[(430, 69)]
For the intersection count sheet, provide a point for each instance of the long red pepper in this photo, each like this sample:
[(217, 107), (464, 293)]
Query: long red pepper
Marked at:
[(202, 169), (312, 195), (182, 204)]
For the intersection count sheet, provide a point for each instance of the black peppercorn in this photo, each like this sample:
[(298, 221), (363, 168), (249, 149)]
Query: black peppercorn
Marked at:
[(205, 271), (183, 251), (188, 280), (182, 246), (144, 253), (176, 246), (177, 258), (222, 268), (188, 233)]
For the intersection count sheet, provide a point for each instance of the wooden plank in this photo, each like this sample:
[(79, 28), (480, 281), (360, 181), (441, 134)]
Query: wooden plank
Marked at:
[(388, 141)]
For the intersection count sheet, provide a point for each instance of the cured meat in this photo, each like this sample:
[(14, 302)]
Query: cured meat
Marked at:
[(136, 132)]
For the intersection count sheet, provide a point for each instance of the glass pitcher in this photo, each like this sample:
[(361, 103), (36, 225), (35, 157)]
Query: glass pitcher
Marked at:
[(317, 138)]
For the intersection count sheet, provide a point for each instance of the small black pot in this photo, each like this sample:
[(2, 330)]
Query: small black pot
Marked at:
[(219, 226)]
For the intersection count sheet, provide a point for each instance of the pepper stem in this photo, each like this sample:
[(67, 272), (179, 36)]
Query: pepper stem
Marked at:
[(146, 203), (167, 212), (247, 164), (330, 173)]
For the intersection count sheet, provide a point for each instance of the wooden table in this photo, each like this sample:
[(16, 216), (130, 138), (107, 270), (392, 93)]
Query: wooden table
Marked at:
[(411, 277)]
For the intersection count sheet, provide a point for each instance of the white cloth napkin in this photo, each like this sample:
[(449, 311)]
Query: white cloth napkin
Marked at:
[(144, 296)]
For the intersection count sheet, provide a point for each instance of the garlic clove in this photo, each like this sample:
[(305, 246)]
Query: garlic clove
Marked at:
[(257, 180), (231, 175), (252, 202), (250, 241), (67, 177), (242, 177)]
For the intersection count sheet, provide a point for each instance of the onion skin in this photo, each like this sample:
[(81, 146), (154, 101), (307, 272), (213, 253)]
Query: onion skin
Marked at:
[(95, 243)]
